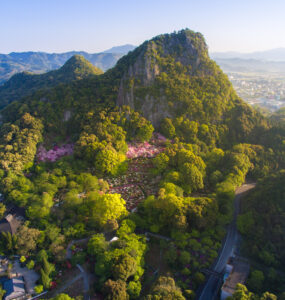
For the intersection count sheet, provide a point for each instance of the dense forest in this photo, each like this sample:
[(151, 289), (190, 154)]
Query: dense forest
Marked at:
[(142, 162)]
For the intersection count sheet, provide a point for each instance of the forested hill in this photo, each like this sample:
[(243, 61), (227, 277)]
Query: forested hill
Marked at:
[(172, 76), (171, 80), (23, 84), (41, 62)]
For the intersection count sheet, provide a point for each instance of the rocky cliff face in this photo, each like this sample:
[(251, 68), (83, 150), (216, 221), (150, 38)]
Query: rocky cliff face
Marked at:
[(140, 86)]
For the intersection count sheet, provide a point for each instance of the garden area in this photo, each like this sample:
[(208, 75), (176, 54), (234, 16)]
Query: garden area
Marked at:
[(138, 182)]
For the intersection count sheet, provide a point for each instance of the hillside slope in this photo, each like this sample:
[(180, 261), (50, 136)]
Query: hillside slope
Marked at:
[(23, 84)]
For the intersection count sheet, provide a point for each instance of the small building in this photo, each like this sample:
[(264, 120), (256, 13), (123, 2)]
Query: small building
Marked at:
[(13, 220), (10, 224), (237, 270), (15, 288)]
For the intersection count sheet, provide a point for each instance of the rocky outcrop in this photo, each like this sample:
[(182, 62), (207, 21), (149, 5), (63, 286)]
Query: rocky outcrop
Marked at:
[(139, 78)]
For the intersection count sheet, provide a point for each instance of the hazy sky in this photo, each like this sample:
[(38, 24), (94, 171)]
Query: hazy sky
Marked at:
[(95, 25)]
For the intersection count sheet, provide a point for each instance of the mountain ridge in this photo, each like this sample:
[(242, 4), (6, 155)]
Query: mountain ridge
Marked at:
[(123, 49)]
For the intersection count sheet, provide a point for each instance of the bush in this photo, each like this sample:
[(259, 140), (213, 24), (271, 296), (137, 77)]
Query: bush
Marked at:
[(30, 265), (184, 258), (22, 259), (199, 278), (38, 289)]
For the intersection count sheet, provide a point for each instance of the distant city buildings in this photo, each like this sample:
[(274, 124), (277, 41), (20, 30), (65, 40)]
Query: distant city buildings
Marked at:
[(267, 91)]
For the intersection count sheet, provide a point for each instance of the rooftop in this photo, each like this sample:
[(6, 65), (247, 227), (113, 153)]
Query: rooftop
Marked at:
[(15, 288), (10, 223), (239, 274)]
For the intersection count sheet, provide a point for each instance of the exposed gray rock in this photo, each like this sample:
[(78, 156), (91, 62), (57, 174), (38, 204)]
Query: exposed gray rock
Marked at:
[(141, 74)]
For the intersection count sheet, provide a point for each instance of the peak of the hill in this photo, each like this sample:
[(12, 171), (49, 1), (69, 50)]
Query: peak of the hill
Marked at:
[(79, 67), (164, 77)]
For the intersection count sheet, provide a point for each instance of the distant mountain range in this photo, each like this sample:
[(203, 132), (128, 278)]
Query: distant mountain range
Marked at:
[(121, 49), (229, 65), (40, 62), (277, 54), (270, 61)]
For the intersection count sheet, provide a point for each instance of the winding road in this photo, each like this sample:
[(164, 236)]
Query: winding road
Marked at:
[(212, 285)]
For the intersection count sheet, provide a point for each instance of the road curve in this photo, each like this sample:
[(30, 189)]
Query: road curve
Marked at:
[(210, 288)]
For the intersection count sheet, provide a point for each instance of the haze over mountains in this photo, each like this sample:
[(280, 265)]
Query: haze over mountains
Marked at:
[(40, 62), (124, 49), (277, 54), (270, 61)]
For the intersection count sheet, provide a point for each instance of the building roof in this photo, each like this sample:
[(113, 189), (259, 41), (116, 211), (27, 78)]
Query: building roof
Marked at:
[(10, 223), (14, 288), (238, 275)]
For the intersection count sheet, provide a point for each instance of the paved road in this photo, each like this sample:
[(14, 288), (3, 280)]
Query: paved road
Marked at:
[(159, 236), (210, 288), (69, 283), (86, 282), (83, 273)]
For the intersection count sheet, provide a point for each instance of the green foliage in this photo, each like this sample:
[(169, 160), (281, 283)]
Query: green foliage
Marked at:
[(262, 218), (161, 162), (30, 264), (97, 245), (242, 293), (101, 208), (48, 268), (45, 279), (115, 290), (62, 296), (2, 210), (38, 289), (124, 267), (2, 292), (127, 227), (120, 259), (27, 240), (22, 259), (184, 258), (165, 288), (107, 161), (169, 211), (255, 280), (41, 256), (18, 143), (8, 242), (134, 289)]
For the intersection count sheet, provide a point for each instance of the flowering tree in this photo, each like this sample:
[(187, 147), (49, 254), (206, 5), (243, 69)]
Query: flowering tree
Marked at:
[(147, 149), (55, 153)]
